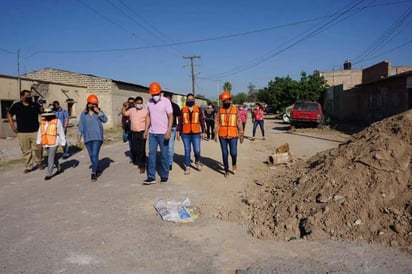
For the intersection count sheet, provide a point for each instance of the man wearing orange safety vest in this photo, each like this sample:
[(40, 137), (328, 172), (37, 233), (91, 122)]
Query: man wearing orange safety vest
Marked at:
[(228, 128), (191, 127), (50, 136)]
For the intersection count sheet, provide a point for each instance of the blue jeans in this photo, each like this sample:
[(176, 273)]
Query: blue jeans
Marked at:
[(154, 141), (232, 143), (261, 125), (93, 147), (190, 140), (172, 145)]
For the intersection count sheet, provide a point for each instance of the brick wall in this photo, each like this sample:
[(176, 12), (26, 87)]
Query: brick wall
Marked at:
[(100, 86), (94, 84), (348, 78)]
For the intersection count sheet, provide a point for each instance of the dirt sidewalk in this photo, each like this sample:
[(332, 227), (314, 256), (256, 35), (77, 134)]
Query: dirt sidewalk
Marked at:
[(70, 225)]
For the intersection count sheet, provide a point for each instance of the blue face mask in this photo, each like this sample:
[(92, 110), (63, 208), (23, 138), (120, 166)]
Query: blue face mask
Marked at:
[(190, 103)]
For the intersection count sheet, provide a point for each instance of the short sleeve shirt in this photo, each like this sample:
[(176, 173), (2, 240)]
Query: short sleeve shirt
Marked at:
[(137, 119), (158, 113), (62, 115), (27, 117)]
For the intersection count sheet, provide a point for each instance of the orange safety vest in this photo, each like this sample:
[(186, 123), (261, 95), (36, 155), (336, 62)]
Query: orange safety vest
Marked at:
[(49, 135), (228, 122), (191, 124)]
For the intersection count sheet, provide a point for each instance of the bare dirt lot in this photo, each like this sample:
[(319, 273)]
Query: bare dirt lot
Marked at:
[(284, 219)]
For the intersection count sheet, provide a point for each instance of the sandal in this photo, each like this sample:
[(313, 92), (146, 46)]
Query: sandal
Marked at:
[(226, 174)]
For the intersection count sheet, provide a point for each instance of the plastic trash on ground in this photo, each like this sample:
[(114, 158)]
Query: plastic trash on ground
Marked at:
[(178, 212)]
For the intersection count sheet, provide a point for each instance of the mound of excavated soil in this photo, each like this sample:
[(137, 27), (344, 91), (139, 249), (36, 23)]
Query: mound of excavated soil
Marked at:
[(360, 190)]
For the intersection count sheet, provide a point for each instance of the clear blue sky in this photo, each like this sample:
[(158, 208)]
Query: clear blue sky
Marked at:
[(238, 41)]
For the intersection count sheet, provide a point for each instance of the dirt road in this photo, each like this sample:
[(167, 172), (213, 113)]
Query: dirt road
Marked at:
[(71, 225)]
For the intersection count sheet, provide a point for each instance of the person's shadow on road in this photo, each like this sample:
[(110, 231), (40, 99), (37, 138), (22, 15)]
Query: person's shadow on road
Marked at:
[(105, 163), (205, 161)]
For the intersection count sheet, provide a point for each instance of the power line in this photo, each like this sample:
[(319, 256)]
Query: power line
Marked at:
[(149, 29), (221, 37), (8, 51), (384, 37), (386, 52), (107, 19), (305, 37)]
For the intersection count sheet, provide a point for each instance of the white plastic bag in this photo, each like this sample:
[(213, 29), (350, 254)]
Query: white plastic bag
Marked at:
[(173, 211)]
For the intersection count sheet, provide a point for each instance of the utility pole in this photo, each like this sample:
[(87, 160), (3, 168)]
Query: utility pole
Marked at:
[(193, 71), (18, 72)]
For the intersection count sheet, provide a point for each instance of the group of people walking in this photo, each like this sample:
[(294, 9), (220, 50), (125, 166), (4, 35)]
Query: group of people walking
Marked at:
[(160, 122), (50, 132)]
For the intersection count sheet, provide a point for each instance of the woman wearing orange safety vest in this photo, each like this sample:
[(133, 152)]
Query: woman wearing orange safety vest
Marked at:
[(51, 135), (191, 127), (229, 130)]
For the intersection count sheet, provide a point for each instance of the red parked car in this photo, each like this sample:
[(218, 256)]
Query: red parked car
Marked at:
[(306, 113)]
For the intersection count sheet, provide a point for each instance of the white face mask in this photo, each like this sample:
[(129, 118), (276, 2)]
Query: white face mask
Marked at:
[(156, 98), (139, 106)]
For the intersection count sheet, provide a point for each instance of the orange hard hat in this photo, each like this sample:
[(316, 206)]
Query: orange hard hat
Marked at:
[(92, 99), (154, 88), (225, 96)]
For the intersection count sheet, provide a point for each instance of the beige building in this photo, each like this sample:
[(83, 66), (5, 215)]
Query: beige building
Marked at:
[(67, 95), (111, 93), (376, 92), (71, 89)]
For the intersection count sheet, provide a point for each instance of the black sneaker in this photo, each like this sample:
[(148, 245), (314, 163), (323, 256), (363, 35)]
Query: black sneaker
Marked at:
[(163, 180), (94, 177), (149, 181), (47, 178)]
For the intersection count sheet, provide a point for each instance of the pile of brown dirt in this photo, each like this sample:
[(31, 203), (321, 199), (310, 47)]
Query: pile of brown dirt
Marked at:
[(361, 190)]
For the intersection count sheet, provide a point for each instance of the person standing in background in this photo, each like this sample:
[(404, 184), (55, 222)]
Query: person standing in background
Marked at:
[(176, 114), (91, 130), (50, 136), (27, 118), (258, 120), (191, 128), (243, 116), (210, 116), (130, 103), (63, 116), (137, 116), (159, 120)]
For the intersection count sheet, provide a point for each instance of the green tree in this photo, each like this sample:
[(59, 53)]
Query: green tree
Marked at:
[(240, 98), (227, 86), (284, 91)]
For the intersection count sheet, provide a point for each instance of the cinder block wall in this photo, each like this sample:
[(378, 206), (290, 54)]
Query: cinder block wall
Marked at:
[(95, 85)]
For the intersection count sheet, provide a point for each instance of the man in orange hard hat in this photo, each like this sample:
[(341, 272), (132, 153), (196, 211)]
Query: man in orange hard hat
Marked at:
[(159, 122)]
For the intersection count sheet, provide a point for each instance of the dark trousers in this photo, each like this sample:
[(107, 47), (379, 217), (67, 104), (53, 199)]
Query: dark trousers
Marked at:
[(138, 148), (210, 129)]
